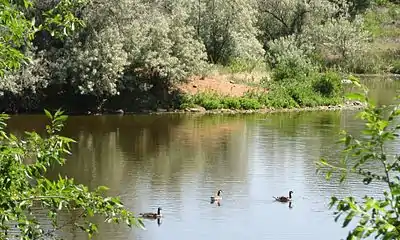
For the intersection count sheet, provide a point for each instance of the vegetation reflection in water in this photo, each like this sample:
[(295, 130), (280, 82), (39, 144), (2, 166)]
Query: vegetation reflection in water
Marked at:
[(177, 161)]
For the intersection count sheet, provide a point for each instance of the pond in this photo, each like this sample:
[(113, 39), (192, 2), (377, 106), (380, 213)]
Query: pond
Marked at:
[(178, 161)]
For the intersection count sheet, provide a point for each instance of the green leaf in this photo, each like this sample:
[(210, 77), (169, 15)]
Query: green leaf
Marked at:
[(342, 177), (338, 216), (328, 175), (348, 139), (348, 218), (48, 114)]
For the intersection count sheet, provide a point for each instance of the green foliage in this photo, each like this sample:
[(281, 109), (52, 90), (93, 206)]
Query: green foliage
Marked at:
[(368, 157), (290, 70), (278, 18), (61, 21), (292, 93), (289, 57), (25, 187), (328, 84), (239, 65), (381, 2), (95, 66), (132, 52), (291, 88), (339, 40), (358, 6), (17, 31), (278, 98), (379, 21), (227, 29), (396, 67), (212, 100), (297, 90)]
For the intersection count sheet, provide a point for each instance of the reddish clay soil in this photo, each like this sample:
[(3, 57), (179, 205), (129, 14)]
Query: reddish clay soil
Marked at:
[(215, 84)]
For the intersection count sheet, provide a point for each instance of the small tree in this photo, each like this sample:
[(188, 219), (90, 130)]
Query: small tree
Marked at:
[(23, 186), (339, 38), (379, 217)]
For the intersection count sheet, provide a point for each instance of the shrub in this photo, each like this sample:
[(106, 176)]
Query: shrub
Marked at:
[(288, 59), (327, 84), (208, 100), (288, 70), (395, 67), (249, 103), (231, 103)]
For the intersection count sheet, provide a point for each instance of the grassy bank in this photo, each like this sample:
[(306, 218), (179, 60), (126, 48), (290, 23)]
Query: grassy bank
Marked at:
[(285, 90)]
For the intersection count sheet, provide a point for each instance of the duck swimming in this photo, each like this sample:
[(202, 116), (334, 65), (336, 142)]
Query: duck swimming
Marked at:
[(283, 198), (152, 215), (217, 197)]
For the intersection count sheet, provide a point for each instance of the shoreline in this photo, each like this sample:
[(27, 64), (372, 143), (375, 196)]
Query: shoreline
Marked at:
[(353, 105), (347, 105), (356, 105)]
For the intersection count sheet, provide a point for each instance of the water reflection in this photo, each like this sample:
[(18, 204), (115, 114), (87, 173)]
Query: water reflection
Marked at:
[(188, 157), (178, 161)]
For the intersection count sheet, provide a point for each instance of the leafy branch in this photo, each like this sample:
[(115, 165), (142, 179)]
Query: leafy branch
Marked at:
[(23, 185), (378, 217)]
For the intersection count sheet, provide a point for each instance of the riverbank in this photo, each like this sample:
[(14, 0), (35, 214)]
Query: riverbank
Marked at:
[(353, 105), (349, 105), (224, 92), (230, 93)]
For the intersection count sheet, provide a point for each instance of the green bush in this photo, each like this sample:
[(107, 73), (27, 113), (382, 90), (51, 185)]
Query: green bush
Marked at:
[(327, 84), (381, 2), (288, 58), (208, 100), (289, 70), (395, 67), (279, 98), (303, 95), (210, 104), (250, 103), (231, 102)]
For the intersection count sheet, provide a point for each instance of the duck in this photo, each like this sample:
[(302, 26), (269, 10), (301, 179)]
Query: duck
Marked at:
[(152, 215), (217, 197), (283, 198)]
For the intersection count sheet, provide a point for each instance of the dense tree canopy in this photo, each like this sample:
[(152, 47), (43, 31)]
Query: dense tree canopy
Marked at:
[(119, 52)]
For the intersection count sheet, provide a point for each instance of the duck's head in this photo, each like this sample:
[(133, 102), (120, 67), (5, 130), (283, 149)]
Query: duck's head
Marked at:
[(159, 210), (219, 192), (290, 193)]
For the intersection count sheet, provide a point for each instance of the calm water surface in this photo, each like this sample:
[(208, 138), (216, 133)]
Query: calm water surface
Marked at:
[(179, 161)]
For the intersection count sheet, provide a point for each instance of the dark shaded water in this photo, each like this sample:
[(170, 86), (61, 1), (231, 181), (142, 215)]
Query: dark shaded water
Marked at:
[(179, 161)]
